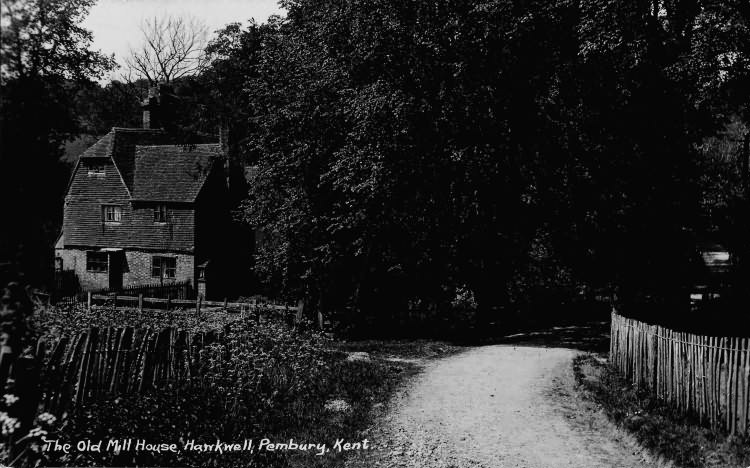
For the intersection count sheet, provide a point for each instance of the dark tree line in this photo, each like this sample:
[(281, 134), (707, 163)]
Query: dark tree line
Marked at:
[(44, 56), (413, 152)]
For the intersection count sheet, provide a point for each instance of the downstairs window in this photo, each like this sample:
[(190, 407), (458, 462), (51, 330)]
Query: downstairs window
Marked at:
[(163, 267)]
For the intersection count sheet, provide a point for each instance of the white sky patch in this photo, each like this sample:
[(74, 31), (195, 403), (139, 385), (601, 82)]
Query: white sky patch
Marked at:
[(116, 23)]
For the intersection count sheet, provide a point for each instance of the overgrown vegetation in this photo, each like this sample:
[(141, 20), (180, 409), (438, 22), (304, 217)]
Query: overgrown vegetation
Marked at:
[(53, 322), (261, 381), (657, 426)]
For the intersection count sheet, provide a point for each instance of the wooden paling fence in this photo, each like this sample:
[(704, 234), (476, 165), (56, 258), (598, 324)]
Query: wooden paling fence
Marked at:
[(114, 300), (114, 361), (705, 376), (181, 290), (106, 362)]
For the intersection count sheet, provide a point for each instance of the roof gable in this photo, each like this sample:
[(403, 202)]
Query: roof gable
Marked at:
[(152, 169), (119, 146), (102, 148)]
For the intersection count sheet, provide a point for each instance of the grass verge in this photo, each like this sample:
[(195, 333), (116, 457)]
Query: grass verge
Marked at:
[(657, 427)]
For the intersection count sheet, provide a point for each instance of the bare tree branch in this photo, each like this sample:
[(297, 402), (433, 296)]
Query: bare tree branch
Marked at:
[(173, 47)]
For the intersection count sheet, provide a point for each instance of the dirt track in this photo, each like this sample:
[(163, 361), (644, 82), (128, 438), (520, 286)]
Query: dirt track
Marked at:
[(496, 407)]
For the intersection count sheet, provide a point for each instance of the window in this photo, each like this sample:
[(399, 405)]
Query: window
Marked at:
[(112, 213), (160, 214), (163, 267), (96, 262), (96, 169)]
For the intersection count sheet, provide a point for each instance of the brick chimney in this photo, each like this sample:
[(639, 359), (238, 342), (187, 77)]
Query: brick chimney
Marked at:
[(159, 107), (150, 107)]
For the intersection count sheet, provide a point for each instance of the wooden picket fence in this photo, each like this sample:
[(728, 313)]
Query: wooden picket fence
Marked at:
[(708, 377), (181, 290), (108, 362)]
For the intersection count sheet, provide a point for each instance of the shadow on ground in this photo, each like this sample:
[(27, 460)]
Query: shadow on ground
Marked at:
[(589, 336)]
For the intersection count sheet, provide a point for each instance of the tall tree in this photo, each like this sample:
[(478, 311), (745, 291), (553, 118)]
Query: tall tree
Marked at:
[(411, 149), (173, 47), (44, 53)]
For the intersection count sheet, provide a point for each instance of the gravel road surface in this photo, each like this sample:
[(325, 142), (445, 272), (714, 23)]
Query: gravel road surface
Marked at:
[(496, 407)]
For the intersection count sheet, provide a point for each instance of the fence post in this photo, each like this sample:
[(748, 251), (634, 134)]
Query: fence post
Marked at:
[(225, 304), (114, 301), (169, 302), (88, 302), (300, 307), (198, 306), (140, 304)]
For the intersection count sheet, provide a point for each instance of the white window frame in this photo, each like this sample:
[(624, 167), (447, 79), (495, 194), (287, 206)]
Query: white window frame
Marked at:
[(112, 214), (96, 169)]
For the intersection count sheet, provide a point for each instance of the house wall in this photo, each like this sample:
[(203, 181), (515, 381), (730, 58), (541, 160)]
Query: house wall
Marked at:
[(84, 226), (136, 270), (225, 243), (178, 233), (75, 260), (139, 268)]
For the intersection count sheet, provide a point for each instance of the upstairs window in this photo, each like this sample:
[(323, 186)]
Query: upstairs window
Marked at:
[(112, 213), (96, 262), (163, 267), (96, 169), (160, 214)]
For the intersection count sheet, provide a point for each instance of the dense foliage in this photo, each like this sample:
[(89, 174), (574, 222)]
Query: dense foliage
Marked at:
[(410, 150), (45, 55)]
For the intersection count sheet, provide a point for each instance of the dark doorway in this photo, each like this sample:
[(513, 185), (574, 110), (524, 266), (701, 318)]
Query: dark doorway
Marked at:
[(115, 270)]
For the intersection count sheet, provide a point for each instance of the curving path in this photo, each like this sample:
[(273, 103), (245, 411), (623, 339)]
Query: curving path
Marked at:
[(496, 407)]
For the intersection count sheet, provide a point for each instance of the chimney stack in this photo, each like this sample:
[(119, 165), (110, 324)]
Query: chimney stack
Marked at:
[(150, 108)]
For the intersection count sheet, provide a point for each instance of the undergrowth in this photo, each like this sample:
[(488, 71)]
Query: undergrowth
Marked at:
[(266, 381), (53, 322)]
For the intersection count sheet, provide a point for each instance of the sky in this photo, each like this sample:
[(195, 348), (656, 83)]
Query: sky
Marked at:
[(115, 23)]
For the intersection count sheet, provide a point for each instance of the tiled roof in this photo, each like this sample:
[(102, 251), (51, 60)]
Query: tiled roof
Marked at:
[(102, 148), (123, 148), (172, 173), (119, 145), (152, 168)]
